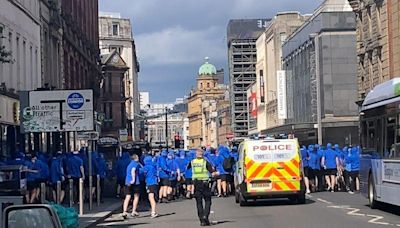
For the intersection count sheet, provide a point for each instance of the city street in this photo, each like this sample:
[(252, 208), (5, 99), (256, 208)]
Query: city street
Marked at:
[(325, 209)]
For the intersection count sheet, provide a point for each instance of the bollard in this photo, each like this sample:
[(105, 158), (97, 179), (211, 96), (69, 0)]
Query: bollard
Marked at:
[(80, 196), (58, 193), (42, 192), (90, 193), (71, 193), (98, 190)]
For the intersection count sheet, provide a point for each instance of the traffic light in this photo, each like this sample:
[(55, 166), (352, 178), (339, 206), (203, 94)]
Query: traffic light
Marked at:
[(177, 142)]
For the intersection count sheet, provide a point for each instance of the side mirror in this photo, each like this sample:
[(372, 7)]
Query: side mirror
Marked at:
[(30, 216)]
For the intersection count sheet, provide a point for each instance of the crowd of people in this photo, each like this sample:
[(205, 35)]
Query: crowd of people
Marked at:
[(167, 176), (162, 176), (331, 168), (56, 170)]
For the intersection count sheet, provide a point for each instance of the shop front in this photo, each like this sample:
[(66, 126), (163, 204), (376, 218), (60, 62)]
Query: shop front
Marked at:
[(9, 125)]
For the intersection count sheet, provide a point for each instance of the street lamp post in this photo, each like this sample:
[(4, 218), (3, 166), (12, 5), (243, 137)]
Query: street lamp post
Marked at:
[(166, 127)]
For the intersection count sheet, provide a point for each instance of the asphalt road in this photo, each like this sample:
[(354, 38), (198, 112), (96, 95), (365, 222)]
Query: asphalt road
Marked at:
[(328, 210)]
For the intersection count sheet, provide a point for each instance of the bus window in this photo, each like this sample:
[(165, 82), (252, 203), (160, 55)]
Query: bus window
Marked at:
[(390, 130), (371, 135), (364, 135)]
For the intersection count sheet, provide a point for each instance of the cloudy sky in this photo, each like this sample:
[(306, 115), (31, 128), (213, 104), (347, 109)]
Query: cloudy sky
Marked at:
[(173, 36)]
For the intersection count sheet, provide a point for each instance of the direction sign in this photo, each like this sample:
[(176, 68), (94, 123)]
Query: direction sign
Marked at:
[(58, 111)]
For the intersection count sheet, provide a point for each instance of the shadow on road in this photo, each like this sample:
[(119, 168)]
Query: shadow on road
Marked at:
[(392, 209), (159, 215), (276, 202), (122, 225), (220, 222)]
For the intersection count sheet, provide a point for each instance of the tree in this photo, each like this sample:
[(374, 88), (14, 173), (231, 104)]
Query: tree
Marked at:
[(5, 56)]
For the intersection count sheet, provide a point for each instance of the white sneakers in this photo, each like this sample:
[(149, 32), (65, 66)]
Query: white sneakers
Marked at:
[(153, 215)]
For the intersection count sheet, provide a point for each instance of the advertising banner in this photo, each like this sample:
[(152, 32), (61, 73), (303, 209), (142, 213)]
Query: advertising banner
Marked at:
[(281, 91)]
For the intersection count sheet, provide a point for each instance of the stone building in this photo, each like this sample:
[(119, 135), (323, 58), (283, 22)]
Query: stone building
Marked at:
[(269, 61), (112, 98), (202, 107), (51, 44), (21, 69), (81, 45), (224, 120), (378, 42), (320, 61), (116, 34)]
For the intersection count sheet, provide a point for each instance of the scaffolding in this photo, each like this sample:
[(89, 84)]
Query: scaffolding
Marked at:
[(242, 73)]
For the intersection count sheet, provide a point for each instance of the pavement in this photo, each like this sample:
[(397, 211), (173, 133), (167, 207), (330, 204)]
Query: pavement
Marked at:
[(104, 210), (326, 209)]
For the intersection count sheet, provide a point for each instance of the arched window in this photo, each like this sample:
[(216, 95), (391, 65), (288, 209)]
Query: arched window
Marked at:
[(208, 85), (201, 85)]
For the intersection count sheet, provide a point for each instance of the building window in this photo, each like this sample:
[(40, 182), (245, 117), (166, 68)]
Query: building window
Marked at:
[(380, 70), (110, 110), (208, 85), (378, 19), (369, 14), (123, 116), (115, 29), (360, 25), (370, 70)]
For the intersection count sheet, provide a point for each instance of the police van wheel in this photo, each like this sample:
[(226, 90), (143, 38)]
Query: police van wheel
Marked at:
[(372, 193), (242, 201), (301, 198)]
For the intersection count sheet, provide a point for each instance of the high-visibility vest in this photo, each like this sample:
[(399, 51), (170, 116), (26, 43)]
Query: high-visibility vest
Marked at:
[(199, 169)]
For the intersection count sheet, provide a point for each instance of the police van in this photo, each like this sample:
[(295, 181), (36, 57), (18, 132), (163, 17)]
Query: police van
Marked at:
[(269, 168)]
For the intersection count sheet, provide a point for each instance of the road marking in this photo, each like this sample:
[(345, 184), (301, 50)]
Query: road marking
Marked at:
[(376, 218), (398, 225), (324, 201), (339, 207), (354, 212)]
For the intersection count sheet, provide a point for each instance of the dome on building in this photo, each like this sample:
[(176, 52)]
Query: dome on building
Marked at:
[(207, 68)]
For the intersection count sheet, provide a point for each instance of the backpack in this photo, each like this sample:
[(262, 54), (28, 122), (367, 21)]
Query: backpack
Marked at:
[(227, 164)]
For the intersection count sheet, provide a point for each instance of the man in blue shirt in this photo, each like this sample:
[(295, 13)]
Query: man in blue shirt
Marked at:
[(354, 170), (304, 159), (150, 173), (75, 171), (163, 174), (43, 175), (57, 175), (32, 178), (174, 175), (120, 171), (182, 163), (330, 162), (132, 184), (102, 172), (188, 175), (222, 154)]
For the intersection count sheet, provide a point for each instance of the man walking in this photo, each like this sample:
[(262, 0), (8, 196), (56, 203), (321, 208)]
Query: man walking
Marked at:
[(201, 170), (132, 183)]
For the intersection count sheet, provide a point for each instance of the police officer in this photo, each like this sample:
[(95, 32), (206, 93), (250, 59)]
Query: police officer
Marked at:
[(201, 170)]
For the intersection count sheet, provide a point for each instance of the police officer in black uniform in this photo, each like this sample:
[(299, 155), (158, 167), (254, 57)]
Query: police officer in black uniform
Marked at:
[(201, 169)]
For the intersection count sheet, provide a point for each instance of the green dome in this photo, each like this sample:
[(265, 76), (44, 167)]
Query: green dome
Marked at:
[(207, 68)]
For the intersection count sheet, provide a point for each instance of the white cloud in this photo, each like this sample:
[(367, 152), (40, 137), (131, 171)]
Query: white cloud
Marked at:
[(176, 46)]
